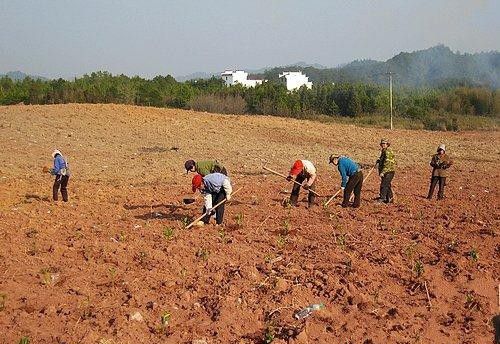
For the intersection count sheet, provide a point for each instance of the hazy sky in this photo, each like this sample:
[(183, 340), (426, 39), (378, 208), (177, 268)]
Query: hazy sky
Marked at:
[(65, 38)]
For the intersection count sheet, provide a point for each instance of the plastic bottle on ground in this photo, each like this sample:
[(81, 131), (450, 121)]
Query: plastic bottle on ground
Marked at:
[(305, 312)]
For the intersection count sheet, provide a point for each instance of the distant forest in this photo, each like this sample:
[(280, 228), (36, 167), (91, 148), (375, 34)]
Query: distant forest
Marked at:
[(459, 103), (434, 67)]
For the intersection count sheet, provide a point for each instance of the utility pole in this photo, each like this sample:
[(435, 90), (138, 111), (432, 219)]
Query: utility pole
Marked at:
[(390, 94)]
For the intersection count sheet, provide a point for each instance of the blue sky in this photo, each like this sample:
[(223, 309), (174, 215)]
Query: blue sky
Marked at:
[(57, 38)]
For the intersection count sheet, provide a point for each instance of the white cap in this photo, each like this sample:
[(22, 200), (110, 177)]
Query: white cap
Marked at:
[(55, 152), (442, 146)]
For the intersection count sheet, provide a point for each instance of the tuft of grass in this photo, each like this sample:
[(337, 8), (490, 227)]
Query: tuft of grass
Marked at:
[(168, 233)]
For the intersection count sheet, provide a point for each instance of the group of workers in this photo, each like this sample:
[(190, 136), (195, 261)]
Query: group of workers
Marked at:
[(211, 179)]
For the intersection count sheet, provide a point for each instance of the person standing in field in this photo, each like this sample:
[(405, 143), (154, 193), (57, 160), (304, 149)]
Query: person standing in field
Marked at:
[(61, 173), (352, 178), (215, 187), (304, 173), (386, 169), (205, 167), (440, 163)]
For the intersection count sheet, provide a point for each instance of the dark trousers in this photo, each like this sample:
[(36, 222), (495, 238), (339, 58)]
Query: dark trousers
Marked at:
[(219, 211), (386, 187), (434, 181), (294, 197), (60, 182), (354, 183)]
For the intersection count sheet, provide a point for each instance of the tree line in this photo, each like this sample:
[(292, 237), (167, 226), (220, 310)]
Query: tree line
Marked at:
[(347, 100)]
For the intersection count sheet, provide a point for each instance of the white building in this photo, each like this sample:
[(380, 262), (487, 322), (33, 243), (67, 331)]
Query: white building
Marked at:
[(239, 77), (294, 80)]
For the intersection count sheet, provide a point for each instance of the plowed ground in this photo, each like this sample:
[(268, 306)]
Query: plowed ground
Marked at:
[(415, 271)]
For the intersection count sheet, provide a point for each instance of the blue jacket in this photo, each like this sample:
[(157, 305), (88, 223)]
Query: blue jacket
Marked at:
[(347, 168), (60, 164), (213, 182)]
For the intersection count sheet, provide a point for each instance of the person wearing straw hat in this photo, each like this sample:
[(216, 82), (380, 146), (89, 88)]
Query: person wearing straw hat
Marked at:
[(440, 163), (386, 169), (214, 187), (61, 172), (352, 178)]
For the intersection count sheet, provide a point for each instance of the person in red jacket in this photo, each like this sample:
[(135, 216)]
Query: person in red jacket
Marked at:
[(305, 174)]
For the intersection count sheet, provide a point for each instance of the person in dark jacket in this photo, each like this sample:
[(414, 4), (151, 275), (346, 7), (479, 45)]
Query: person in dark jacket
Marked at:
[(214, 187), (205, 167), (386, 169), (61, 171), (440, 163), (352, 178)]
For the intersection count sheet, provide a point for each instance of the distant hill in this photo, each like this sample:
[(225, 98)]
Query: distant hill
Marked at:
[(18, 75), (436, 66)]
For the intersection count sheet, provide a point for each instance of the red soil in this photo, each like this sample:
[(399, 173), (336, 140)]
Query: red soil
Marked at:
[(77, 272)]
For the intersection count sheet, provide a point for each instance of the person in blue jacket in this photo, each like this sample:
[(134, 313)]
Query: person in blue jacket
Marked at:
[(61, 171), (352, 178)]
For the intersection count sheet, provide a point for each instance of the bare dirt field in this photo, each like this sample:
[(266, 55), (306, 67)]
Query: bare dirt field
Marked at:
[(115, 264)]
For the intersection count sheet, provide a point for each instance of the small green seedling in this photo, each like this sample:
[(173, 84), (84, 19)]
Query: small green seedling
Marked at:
[(342, 240), (202, 253), (165, 319), (168, 233), (112, 272), (45, 276), (474, 254), (469, 298), (121, 237), (269, 335), (24, 340), (141, 257), (286, 226), (239, 218), (418, 268), (222, 235), (185, 221), (411, 249), (281, 241)]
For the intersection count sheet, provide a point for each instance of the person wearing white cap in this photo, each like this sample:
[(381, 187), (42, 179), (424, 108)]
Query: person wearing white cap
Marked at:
[(61, 171), (440, 163)]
